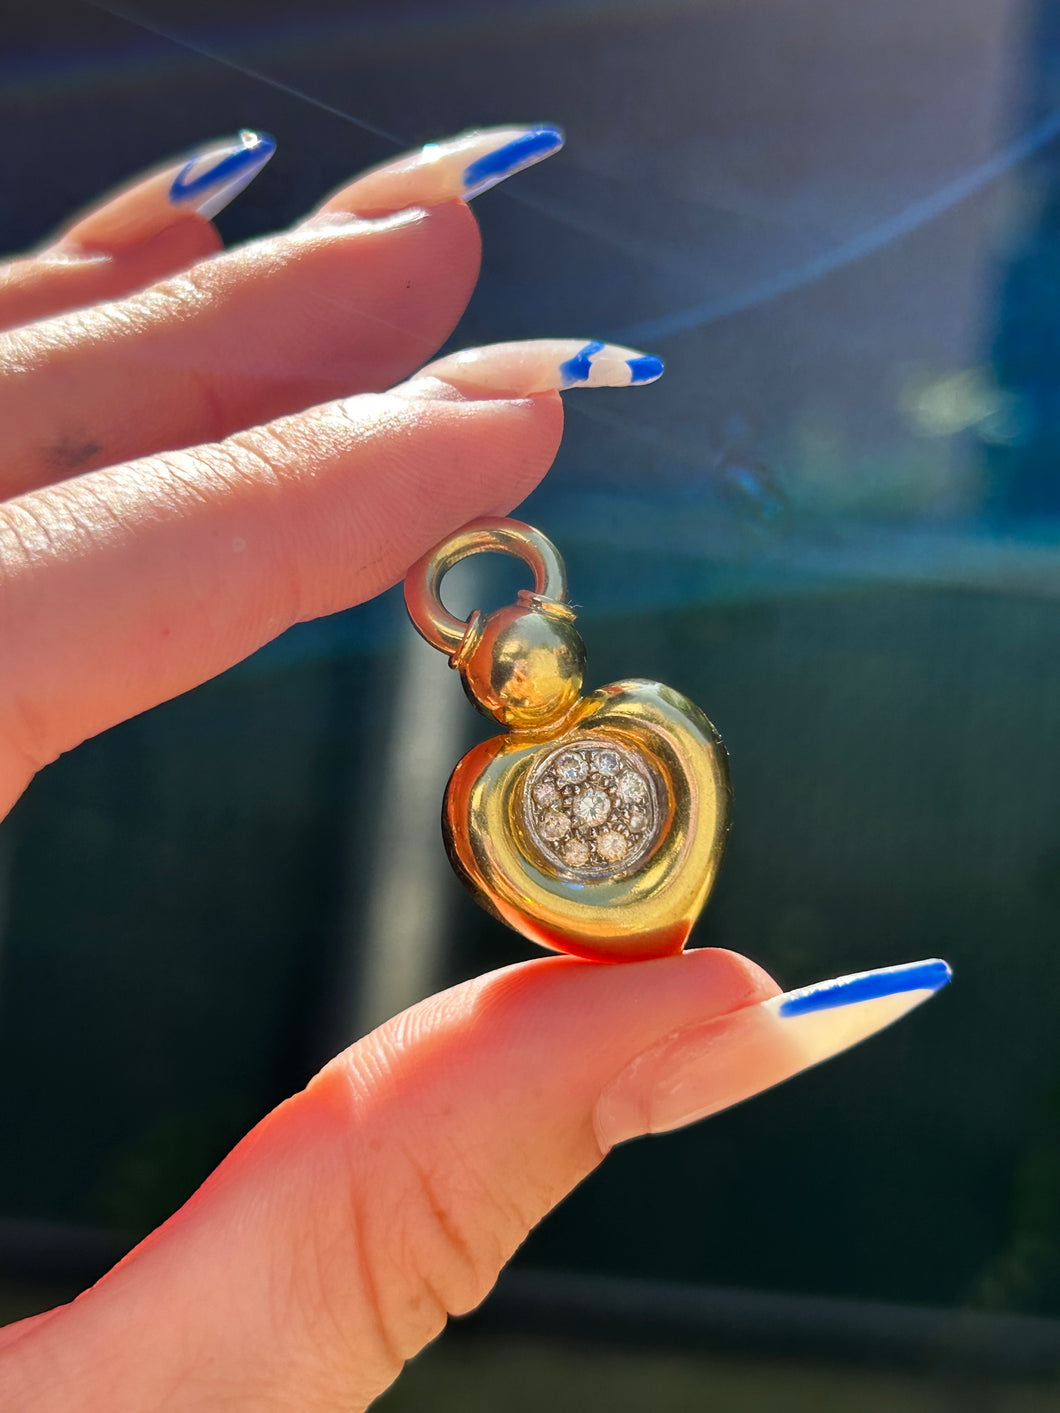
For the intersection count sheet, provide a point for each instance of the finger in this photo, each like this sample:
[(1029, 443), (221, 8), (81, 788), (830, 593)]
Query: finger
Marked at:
[(335, 307), (124, 587), (334, 1241), (238, 339), (150, 229), (457, 168)]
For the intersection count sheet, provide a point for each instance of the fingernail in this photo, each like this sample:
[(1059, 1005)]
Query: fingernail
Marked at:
[(460, 167), (204, 184), (492, 157), (214, 176), (543, 365), (699, 1071)]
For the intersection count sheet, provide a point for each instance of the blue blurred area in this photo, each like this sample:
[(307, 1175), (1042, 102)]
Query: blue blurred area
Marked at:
[(835, 522)]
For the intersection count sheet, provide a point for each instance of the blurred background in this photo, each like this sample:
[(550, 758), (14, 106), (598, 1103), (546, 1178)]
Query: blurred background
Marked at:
[(835, 524)]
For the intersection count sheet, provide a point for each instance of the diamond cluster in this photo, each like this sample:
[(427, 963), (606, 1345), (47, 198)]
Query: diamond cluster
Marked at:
[(590, 808)]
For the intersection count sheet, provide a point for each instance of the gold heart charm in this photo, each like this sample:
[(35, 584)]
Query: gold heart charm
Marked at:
[(596, 825)]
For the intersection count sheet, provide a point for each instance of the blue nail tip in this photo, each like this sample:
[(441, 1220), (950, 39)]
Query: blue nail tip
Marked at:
[(248, 157), (867, 986), (645, 369), (494, 166), (576, 369)]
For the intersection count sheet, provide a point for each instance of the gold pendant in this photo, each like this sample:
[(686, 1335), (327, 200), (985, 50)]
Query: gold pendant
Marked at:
[(596, 824)]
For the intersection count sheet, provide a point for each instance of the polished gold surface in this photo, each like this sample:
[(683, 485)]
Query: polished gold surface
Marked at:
[(442, 629), (524, 665), (575, 867)]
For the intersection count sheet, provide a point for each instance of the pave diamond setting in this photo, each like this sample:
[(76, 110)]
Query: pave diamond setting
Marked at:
[(592, 809)]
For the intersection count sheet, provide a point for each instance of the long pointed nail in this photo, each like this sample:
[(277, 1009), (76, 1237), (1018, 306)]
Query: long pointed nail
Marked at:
[(700, 1071), (214, 176), (493, 156), (460, 167), (204, 184), (543, 365)]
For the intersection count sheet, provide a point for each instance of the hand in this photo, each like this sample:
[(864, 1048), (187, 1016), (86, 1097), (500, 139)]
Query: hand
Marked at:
[(203, 454)]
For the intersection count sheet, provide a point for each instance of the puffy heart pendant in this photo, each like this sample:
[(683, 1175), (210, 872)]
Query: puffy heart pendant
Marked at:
[(596, 825)]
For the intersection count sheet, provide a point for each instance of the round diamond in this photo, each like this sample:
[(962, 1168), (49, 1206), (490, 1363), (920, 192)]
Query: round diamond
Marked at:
[(576, 853), (554, 826), (632, 787), (592, 807), (611, 846), (571, 768)]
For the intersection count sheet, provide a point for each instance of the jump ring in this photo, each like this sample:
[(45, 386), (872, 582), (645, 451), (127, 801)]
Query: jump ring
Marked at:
[(432, 620)]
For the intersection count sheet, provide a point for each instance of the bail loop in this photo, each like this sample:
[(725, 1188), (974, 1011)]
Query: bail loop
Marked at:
[(433, 621)]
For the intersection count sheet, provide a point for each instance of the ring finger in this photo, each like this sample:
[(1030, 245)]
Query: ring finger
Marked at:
[(121, 588), (157, 225)]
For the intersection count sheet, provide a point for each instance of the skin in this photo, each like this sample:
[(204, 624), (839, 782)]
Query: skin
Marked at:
[(340, 1233)]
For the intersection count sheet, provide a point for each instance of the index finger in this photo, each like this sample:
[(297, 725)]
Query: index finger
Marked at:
[(123, 587)]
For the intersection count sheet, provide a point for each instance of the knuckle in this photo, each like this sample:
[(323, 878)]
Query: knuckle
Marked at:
[(266, 459), (184, 299), (428, 1227), (456, 1232), (268, 452), (187, 306)]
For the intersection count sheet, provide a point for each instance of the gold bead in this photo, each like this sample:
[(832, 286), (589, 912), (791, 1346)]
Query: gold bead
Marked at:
[(524, 665)]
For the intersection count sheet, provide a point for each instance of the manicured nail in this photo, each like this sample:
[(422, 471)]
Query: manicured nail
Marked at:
[(214, 176), (204, 184), (493, 156), (702, 1070), (460, 167), (542, 365)]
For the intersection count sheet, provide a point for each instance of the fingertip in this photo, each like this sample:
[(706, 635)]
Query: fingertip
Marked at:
[(747, 982), (400, 281), (489, 452), (462, 228), (188, 238), (200, 186), (450, 221), (621, 1006)]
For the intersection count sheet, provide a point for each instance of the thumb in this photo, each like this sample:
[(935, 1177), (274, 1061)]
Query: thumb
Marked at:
[(333, 1242)]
